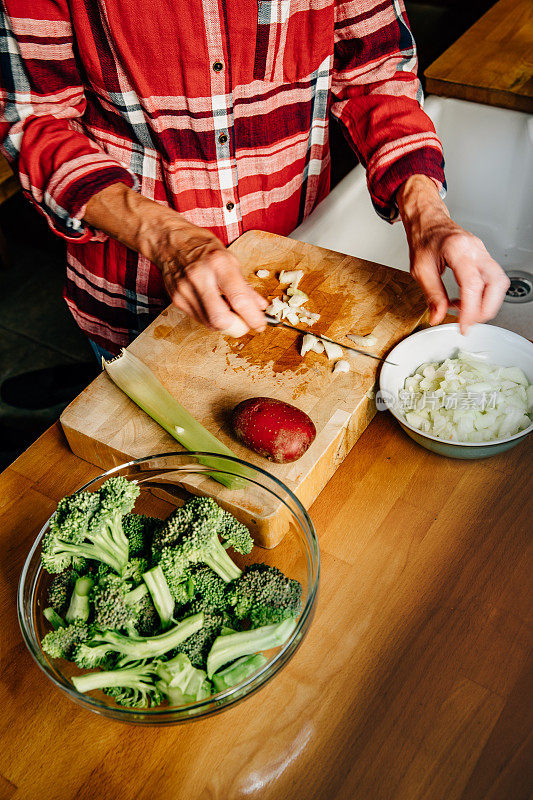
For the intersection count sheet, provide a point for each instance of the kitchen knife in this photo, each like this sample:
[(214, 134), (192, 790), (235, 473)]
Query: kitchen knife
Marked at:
[(276, 323)]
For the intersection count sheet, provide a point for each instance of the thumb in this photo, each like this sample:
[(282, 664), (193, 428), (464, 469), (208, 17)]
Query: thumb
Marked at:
[(425, 271)]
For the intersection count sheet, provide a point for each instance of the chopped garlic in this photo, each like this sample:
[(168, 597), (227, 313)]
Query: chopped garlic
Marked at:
[(363, 341), (333, 351), (341, 366), (262, 273), (291, 276)]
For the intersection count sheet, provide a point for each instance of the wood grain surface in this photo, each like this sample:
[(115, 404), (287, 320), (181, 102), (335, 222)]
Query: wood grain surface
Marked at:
[(492, 62), (413, 683), (209, 374)]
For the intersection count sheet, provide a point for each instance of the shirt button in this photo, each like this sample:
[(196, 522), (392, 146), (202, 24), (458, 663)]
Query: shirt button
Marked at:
[(222, 138), (230, 206), (218, 66)]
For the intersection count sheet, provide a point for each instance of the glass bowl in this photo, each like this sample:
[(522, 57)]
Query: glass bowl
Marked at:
[(166, 481)]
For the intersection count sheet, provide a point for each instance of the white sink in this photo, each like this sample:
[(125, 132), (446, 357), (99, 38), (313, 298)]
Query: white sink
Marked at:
[(489, 170)]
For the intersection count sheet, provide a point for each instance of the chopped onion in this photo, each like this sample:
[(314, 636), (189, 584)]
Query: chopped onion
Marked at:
[(362, 341), (466, 399), (297, 300), (341, 366), (333, 351), (311, 343), (262, 273), (292, 317), (291, 276)]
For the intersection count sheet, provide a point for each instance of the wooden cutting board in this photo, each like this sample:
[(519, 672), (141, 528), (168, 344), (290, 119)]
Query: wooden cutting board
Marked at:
[(209, 373), (492, 62)]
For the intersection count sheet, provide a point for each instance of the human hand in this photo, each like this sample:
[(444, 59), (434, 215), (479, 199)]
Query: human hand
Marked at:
[(436, 242), (202, 278)]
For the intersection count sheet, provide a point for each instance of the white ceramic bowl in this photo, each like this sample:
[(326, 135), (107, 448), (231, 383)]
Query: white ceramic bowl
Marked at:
[(435, 344)]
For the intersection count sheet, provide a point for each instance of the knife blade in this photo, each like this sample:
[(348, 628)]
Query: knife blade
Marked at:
[(277, 323)]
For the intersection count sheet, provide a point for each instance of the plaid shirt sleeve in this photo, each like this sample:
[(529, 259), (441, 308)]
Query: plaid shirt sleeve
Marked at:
[(41, 98), (377, 98)]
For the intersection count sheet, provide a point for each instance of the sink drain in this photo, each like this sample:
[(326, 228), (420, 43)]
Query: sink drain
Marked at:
[(521, 288)]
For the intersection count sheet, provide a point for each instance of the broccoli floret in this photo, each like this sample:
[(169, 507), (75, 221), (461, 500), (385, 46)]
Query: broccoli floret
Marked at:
[(135, 648), (60, 590), (191, 535), (140, 530), (79, 602), (111, 611), (53, 618), (89, 525), (264, 595), (133, 686), (161, 595), (63, 642), (209, 588), (181, 682), (235, 645), (238, 671), (135, 569), (147, 621), (197, 646)]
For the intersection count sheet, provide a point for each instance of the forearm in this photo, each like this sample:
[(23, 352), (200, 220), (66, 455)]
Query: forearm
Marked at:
[(135, 221), (420, 205)]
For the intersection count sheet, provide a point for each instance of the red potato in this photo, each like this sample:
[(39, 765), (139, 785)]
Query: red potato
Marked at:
[(272, 428)]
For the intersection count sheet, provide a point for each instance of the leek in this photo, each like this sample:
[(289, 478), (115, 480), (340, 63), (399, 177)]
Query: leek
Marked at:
[(136, 380)]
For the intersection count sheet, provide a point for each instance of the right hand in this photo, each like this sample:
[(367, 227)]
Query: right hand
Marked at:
[(202, 278)]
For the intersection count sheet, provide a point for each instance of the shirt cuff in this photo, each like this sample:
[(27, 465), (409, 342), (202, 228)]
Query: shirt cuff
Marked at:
[(70, 189), (385, 176)]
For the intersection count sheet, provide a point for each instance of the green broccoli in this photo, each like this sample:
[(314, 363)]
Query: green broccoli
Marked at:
[(191, 535), (197, 646), (234, 645), (89, 525), (63, 642), (181, 682), (79, 602), (135, 569), (140, 530), (264, 595), (60, 590), (238, 671), (131, 686), (53, 618), (111, 609), (209, 588), (135, 648), (161, 595)]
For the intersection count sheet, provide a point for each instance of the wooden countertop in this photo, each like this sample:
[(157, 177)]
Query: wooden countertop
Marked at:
[(413, 680), (492, 62)]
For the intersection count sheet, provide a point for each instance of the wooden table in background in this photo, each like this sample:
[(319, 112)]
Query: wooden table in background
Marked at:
[(492, 62), (414, 680)]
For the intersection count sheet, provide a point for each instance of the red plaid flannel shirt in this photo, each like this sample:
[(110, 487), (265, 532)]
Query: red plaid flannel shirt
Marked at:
[(218, 108)]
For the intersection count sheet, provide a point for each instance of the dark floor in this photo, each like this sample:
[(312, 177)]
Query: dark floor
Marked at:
[(36, 329)]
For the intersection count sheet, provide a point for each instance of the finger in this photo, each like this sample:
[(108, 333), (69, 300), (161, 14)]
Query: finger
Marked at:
[(184, 306), (472, 284), (240, 296), (426, 272), (261, 301), (496, 285), (189, 293), (216, 310)]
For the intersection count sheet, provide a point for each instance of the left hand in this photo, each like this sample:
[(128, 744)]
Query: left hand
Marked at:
[(436, 242)]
